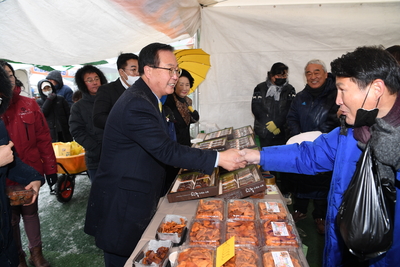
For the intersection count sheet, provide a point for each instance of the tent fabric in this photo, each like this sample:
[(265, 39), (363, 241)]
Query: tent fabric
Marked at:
[(47, 32), (243, 37), (244, 42)]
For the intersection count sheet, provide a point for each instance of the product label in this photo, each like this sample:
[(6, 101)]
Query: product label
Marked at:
[(272, 206), (279, 229), (282, 259)]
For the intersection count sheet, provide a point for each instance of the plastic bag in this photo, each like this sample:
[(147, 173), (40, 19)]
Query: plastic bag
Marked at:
[(365, 217)]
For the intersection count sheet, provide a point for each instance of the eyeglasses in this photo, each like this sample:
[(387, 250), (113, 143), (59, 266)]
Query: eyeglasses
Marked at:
[(172, 71), (90, 80)]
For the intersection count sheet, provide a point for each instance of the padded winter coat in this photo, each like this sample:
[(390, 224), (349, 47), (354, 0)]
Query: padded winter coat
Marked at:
[(340, 154)]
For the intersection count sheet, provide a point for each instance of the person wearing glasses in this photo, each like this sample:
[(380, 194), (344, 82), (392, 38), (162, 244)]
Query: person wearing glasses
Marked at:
[(62, 89), (136, 148), (88, 79), (108, 94), (56, 110)]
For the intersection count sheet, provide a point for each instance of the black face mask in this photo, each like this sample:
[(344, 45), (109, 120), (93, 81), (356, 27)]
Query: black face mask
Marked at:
[(280, 81), (366, 117)]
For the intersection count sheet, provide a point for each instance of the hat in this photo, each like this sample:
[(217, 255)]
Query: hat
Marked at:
[(44, 84)]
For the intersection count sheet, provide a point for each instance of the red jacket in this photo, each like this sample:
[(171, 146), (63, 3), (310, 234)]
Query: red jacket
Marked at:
[(28, 129)]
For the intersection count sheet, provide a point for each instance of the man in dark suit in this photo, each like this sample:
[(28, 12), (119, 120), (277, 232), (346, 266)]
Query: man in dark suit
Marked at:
[(136, 149), (108, 94)]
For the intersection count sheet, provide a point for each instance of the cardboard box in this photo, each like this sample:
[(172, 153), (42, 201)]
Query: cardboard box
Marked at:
[(227, 132), (218, 144), (243, 131), (194, 193), (242, 142), (243, 189)]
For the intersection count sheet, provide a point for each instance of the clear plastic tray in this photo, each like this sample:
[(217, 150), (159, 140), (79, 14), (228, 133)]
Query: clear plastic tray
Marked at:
[(210, 208), (241, 209), (246, 232), (278, 234), (195, 256), (206, 233), (272, 209), (291, 257), (248, 256)]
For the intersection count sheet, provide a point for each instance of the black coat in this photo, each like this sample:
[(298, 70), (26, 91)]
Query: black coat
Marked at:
[(106, 97), (130, 178), (181, 128), (83, 130), (23, 174), (56, 111), (314, 114), (266, 109), (308, 113)]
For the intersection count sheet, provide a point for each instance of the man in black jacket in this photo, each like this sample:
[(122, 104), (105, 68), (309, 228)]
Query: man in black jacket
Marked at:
[(313, 109), (108, 94)]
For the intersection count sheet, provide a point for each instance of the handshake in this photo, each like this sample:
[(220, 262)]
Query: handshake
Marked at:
[(233, 159)]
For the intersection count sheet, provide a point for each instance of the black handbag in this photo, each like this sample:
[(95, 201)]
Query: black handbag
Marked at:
[(365, 216)]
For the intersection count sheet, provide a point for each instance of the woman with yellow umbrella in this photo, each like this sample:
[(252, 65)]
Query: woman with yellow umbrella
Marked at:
[(183, 114), (181, 107)]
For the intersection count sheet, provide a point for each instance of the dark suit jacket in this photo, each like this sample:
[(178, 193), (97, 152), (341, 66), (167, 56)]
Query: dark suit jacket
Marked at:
[(106, 97), (131, 174)]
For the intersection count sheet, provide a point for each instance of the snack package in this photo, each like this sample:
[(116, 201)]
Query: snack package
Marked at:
[(206, 232), (241, 209), (210, 209), (18, 195), (245, 232)]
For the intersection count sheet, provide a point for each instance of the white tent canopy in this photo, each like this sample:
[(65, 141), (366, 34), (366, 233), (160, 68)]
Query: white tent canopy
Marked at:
[(243, 37)]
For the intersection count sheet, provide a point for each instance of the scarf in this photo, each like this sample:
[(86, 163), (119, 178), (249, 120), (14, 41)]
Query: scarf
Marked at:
[(363, 134), (182, 106), (274, 90)]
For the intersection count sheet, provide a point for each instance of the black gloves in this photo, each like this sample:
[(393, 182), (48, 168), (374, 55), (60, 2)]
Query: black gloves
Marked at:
[(385, 143), (51, 179)]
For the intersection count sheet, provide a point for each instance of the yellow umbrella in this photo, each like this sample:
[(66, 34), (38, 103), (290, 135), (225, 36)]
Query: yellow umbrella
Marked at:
[(196, 62)]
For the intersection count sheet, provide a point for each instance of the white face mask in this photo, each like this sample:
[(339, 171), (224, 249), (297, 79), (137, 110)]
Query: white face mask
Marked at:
[(131, 79), (47, 93)]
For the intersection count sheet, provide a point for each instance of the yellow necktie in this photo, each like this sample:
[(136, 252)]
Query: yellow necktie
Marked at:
[(160, 106)]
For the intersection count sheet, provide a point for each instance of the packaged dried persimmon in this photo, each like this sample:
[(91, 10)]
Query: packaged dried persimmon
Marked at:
[(279, 234), (153, 253), (245, 232), (196, 256), (172, 227), (210, 209), (247, 256), (272, 210), (241, 209), (282, 257), (205, 232)]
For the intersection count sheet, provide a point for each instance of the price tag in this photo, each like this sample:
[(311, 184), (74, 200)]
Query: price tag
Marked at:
[(226, 251)]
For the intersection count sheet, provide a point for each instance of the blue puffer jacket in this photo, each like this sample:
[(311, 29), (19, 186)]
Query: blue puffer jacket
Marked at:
[(337, 153)]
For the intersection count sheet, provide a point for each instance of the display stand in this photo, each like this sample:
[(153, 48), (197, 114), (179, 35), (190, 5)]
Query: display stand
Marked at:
[(184, 208)]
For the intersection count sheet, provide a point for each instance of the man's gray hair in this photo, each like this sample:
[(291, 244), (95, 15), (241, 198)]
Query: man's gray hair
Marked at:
[(315, 61)]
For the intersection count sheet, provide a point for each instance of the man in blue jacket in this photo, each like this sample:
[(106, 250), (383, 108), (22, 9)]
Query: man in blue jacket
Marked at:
[(368, 82)]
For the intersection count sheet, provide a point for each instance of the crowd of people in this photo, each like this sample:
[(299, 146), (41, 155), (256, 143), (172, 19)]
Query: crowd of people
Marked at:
[(136, 135)]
